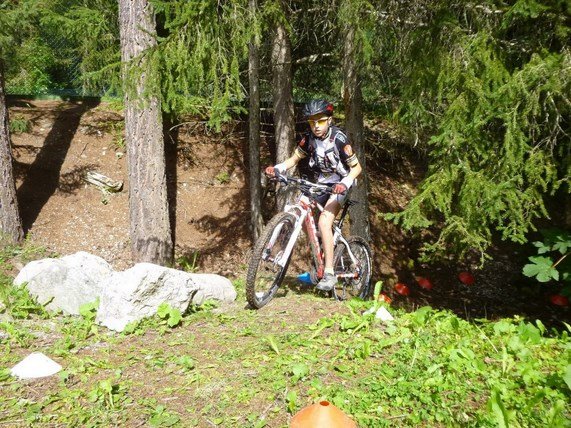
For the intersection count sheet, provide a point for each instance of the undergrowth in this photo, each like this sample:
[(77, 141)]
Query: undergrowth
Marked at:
[(238, 367)]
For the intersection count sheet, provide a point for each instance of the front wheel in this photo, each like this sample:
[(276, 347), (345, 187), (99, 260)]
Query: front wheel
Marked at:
[(267, 266), (353, 274)]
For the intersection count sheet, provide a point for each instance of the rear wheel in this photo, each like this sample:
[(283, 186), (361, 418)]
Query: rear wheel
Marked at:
[(353, 276), (267, 267)]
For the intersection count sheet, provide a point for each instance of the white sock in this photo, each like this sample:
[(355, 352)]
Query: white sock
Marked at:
[(329, 271)]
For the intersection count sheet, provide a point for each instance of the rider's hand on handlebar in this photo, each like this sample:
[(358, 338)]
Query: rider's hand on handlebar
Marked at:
[(269, 171), (339, 188)]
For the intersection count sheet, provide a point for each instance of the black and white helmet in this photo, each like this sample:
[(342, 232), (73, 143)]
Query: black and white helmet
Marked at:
[(315, 107)]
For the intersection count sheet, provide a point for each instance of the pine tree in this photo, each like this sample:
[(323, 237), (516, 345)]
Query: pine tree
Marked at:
[(254, 130), (284, 115), (150, 231), (488, 89), (202, 56), (10, 223)]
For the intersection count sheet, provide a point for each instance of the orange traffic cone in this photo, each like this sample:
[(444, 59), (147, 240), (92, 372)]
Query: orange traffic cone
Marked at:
[(321, 415)]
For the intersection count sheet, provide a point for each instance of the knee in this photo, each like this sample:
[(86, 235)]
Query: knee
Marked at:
[(326, 221)]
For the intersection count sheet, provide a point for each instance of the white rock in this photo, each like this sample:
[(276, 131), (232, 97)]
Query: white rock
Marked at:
[(212, 286), (34, 366), (67, 283), (137, 293)]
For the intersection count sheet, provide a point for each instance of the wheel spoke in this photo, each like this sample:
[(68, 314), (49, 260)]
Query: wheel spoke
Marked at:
[(265, 272), (353, 278)]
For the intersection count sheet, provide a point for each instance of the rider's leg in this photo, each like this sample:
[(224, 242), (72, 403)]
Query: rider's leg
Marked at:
[(326, 219), (326, 228)]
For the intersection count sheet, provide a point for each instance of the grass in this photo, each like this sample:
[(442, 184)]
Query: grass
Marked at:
[(231, 366), (19, 125)]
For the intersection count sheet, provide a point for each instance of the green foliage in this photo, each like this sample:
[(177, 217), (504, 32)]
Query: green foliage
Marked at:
[(200, 56), (189, 263), (542, 268), (19, 304), (19, 125), (106, 393), (416, 370), (495, 111), (16, 301), (552, 263), (223, 177), (60, 44), (171, 315), (160, 417)]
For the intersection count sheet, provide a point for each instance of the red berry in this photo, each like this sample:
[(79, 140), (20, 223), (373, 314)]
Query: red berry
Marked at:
[(402, 289), (559, 300), (466, 278), (424, 282)]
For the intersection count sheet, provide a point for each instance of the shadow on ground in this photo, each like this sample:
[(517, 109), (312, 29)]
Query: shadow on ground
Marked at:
[(42, 177)]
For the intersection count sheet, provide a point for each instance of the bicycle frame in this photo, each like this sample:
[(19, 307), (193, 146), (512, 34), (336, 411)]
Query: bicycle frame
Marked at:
[(303, 211)]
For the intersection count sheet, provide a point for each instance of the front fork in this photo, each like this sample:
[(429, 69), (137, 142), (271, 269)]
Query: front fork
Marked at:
[(286, 253)]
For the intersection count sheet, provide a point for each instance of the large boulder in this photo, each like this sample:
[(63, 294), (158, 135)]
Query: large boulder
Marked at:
[(137, 293), (66, 283)]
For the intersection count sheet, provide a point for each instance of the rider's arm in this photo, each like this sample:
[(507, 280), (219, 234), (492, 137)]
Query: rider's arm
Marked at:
[(349, 179), (354, 172), (290, 162), (350, 157)]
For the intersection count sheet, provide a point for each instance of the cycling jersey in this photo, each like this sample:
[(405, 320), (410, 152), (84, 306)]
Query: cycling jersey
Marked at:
[(328, 159)]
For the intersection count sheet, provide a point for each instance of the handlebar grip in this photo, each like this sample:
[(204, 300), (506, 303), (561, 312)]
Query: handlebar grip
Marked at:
[(279, 176)]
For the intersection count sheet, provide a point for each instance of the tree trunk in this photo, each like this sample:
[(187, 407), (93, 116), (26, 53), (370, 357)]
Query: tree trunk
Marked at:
[(352, 100), (150, 230), (284, 118), (254, 132), (11, 223)]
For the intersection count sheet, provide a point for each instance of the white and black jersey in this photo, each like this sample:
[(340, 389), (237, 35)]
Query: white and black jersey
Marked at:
[(328, 159)]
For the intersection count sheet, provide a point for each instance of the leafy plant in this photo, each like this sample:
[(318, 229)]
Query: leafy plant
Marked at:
[(551, 263), (160, 417), (107, 392), (172, 316), (117, 130), (19, 125), (223, 177), (88, 312), (189, 263), (18, 302)]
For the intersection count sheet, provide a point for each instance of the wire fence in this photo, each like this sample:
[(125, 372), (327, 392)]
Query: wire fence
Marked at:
[(45, 67)]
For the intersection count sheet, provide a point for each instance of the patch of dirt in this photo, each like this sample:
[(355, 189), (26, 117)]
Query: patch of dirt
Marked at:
[(64, 213), (209, 197)]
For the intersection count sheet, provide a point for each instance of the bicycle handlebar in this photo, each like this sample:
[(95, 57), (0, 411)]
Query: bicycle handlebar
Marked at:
[(307, 187)]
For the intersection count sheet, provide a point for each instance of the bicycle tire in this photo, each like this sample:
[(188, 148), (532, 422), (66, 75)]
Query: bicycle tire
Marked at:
[(353, 287), (264, 275)]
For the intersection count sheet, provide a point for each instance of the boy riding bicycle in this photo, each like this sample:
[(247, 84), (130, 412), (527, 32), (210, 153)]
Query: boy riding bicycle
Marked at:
[(332, 161)]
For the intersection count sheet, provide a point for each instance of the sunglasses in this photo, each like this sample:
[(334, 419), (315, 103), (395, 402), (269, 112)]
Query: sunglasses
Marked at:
[(318, 122)]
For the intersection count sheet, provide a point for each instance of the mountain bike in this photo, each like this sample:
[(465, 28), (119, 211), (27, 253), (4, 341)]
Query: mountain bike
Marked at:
[(273, 250)]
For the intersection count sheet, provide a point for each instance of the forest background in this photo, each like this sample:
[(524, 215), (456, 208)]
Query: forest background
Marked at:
[(482, 88), (479, 89)]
